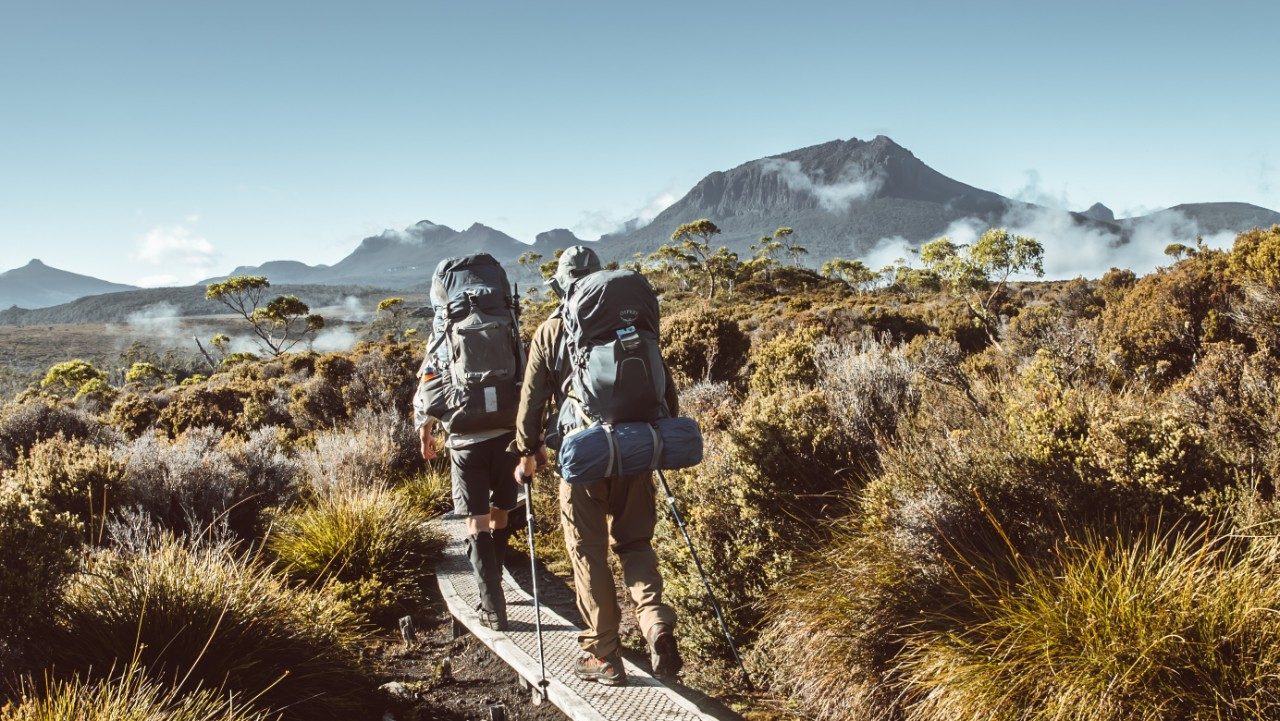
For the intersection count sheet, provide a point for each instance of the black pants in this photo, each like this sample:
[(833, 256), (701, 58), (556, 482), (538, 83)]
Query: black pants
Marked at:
[(482, 476)]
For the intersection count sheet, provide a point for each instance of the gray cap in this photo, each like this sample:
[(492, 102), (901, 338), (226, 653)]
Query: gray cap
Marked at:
[(574, 263)]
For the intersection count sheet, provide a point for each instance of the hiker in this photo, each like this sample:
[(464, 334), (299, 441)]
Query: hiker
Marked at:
[(616, 512), (469, 383)]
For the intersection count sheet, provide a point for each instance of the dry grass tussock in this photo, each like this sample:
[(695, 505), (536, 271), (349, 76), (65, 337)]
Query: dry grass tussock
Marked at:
[(198, 614), (370, 546), (129, 696)]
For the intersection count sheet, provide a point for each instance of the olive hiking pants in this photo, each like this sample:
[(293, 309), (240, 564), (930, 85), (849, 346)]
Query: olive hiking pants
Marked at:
[(617, 513)]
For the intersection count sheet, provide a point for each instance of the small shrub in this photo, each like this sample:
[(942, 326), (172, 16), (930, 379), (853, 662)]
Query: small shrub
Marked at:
[(23, 425), (82, 480), (1255, 258), (38, 545), (133, 414), (1155, 331), (370, 545), (374, 447), (703, 345), (200, 406), (868, 385), (201, 481), (215, 620), (786, 360), (130, 696)]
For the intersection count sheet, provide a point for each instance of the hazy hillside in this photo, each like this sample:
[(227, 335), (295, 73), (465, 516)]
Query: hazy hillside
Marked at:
[(178, 302), (36, 285)]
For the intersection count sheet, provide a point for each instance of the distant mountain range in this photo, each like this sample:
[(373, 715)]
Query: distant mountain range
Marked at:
[(36, 285), (843, 198)]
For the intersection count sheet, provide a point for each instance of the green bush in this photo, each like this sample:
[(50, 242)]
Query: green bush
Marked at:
[(133, 413), (213, 619), (783, 361), (79, 479), (370, 545), (131, 696), (702, 345), (200, 406), (1156, 330), (39, 555), (1255, 257)]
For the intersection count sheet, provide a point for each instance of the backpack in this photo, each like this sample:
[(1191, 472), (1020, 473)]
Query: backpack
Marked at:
[(470, 378), (614, 418), (610, 341)]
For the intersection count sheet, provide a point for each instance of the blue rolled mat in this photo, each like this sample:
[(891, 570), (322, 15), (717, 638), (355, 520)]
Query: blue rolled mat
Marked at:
[(589, 455)]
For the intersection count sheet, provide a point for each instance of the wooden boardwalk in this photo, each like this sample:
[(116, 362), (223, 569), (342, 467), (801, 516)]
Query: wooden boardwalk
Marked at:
[(644, 698)]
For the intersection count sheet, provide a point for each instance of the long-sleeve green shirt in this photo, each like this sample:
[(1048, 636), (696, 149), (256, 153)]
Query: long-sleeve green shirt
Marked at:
[(542, 383)]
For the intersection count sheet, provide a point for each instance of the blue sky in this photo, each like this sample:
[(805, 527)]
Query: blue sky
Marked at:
[(165, 141)]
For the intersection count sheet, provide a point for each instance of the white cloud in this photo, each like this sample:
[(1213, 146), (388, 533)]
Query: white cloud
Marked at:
[(177, 255), (158, 321), (595, 223), (1033, 191), (1072, 248), (330, 340), (834, 197)]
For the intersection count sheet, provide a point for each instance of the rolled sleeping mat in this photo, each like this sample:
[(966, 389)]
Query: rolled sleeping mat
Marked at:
[(603, 451)]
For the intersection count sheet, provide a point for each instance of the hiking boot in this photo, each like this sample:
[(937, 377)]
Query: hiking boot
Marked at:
[(664, 653), (607, 670), (492, 619), (488, 576)]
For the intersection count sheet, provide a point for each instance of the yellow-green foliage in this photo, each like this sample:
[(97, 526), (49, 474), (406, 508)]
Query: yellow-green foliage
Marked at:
[(131, 696), (1149, 631), (200, 407), (133, 413), (1155, 331), (219, 621), (783, 361), (71, 376), (80, 479), (370, 544), (38, 545), (1255, 258), (700, 344), (143, 372)]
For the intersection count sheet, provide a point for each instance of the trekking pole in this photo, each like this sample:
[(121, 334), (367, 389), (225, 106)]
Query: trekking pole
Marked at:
[(711, 595), (541, 692)]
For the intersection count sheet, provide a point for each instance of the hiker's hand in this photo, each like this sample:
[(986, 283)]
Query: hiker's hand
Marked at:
[(528, 466), (540, 457), (428, 441)]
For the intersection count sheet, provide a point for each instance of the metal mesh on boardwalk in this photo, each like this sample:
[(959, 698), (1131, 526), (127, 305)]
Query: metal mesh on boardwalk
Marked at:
[(644, 698)]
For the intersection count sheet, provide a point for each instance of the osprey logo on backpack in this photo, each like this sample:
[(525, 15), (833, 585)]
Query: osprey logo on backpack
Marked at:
[(629, 315), (475, 348)]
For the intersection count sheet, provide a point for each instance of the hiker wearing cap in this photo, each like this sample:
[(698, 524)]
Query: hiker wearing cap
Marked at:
[(617, 512), (469, 383)]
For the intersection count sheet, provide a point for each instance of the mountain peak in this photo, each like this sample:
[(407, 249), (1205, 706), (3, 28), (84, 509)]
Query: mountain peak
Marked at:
[(1098, 211), (35, 263)]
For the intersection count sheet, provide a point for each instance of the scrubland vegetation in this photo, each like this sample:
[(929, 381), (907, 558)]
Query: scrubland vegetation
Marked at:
[(930, 493)]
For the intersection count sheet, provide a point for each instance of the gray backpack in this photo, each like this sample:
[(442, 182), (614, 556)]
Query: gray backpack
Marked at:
[(470, 378), (610, 340)]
